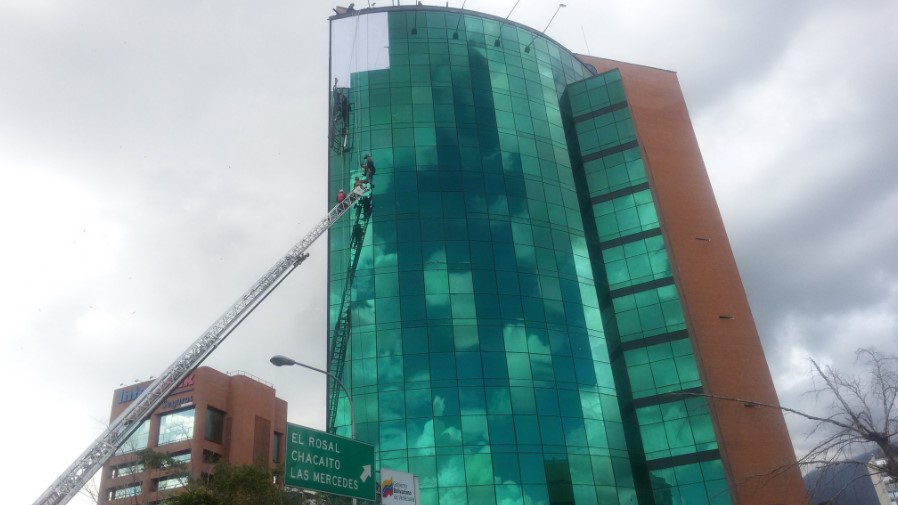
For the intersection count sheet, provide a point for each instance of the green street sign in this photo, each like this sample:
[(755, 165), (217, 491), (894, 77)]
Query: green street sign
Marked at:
[(328, 463)]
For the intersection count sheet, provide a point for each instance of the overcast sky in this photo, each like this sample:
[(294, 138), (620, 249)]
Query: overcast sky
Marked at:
[(158, 157)]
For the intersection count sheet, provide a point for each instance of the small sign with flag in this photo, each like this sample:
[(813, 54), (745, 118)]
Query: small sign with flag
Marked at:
[(398, 488)]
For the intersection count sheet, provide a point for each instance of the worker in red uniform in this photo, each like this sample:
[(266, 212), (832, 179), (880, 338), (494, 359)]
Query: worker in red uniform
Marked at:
[(341, 195)]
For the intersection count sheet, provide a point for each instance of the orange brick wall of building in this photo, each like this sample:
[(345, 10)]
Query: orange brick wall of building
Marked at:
[(754, 442)]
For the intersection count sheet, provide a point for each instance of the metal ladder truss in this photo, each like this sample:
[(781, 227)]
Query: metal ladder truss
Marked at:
[(66, 486), (343, 326)]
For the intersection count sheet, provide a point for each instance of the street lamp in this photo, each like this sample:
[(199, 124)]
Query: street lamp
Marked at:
[(285, 361)]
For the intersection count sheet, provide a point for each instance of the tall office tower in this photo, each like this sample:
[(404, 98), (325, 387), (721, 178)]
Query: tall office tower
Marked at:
[(538, 296), (210, 416)]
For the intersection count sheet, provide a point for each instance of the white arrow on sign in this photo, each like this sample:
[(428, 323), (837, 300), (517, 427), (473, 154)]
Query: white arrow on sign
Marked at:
[(366, 472)]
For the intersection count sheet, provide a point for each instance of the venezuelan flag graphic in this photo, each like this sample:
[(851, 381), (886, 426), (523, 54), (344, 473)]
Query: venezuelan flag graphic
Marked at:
[(386, 489)]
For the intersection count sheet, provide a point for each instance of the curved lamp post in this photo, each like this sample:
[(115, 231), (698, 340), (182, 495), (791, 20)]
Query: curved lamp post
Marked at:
[(285, 361)]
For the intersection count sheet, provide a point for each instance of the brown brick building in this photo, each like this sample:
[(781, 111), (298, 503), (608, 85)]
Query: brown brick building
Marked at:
[(211, 416), (753, 443)]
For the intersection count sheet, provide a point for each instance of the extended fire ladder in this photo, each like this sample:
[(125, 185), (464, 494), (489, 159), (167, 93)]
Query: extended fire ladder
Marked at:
[(343, 325), (91, 460), (339, 141)]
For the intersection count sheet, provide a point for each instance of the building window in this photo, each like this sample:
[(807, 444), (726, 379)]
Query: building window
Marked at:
[(180, 458), (276, 447), (214, 425), (127, 469), (176, 426), (125, 492), (138, 440), (172, 482), (210, 457)]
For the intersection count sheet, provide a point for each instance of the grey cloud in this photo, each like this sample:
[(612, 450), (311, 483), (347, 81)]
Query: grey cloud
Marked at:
[(199, 129)]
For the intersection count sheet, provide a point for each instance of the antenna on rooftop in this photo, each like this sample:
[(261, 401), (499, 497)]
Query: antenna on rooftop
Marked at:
[(553, 17), (527, 48), (583, 31), (497, 43)]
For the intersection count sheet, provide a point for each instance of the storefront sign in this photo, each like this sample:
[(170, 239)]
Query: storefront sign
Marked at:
[(179, 402), (128, 395)]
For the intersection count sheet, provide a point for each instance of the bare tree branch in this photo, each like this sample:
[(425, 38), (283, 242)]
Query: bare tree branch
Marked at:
[(863, 414)]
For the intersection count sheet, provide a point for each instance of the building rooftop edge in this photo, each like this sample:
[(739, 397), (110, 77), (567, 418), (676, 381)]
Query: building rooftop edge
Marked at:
[(578, 55), (230, 373), (455, 10)]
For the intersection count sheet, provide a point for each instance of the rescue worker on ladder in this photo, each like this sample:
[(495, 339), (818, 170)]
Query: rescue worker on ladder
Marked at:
[(368, 166), (366, 206), (341, 195)]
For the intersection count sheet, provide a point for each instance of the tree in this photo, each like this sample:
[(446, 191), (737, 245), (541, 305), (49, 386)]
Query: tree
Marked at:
[(235, 485), (139, 461), (156, 460), (862, 416)]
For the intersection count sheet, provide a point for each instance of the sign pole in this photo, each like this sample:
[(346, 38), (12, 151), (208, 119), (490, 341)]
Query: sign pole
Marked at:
[(329, 463), (283, 360)]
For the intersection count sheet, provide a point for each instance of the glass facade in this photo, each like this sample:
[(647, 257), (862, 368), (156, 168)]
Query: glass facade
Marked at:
[(642, 317), (125, 492), (127, 469), (172, 482), (214, 425), (509, 198), (176, 426), (138, 440)]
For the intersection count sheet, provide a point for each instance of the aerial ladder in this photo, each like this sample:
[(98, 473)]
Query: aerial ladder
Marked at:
[(343, 326), (91, 460), (339, 140)]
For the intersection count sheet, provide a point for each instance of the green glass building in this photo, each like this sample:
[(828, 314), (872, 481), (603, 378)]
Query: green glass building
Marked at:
[(504, 307)]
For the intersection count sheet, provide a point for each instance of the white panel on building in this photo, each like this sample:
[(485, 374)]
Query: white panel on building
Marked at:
[(359, 43)]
